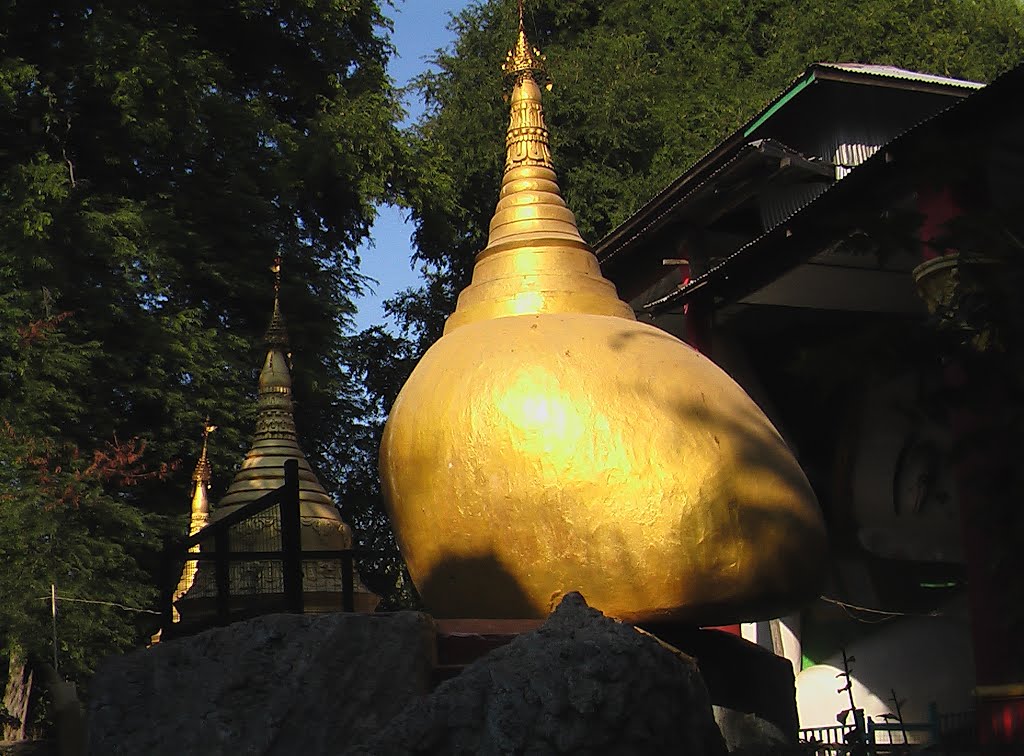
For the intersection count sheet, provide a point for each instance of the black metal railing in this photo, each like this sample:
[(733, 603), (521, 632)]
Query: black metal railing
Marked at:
[(869, 738), (290, 556)]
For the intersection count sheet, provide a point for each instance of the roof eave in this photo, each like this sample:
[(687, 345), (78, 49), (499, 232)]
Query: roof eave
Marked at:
[(640, 222)]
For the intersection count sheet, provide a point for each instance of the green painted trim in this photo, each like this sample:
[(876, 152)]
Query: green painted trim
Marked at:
[(775, 108)]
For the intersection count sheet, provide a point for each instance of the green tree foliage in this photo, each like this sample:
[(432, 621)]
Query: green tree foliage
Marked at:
[(155, 159), (58, 526), (641, 91), (379, 362)]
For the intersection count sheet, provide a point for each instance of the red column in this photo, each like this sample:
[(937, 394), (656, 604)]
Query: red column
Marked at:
[(998, 657), (938, 208)]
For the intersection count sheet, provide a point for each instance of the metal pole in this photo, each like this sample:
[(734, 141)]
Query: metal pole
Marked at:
[(291, 537), (53, 614), (167, 587), (935, 724), (860, 747), (347, 580), (222, 574)]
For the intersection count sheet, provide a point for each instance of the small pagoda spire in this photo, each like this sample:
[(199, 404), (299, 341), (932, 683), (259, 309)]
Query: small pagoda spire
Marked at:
[(276, 417), (201, 476), (276, 437), (199, 518), (276, 334), (526, 142)]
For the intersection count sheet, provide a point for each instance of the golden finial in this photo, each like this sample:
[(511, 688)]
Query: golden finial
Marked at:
[(524, 59), (526, 143), (276, 270), (276, 335), (275, 418), (203, 471)]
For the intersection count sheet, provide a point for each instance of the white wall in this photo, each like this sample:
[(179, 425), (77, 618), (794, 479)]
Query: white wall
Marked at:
[(923, 658)]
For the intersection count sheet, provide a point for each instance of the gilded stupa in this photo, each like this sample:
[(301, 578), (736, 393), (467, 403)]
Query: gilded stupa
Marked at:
[(548, 442), (258, 583), (199, 516)]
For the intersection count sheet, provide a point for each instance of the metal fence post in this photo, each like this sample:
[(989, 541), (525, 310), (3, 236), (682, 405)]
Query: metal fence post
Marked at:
[(347, 581), (860, 747), (935, 723), (167, 585), (291, 537), (222, 549)]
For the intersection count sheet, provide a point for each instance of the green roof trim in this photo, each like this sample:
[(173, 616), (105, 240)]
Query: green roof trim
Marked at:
[(778, 105)]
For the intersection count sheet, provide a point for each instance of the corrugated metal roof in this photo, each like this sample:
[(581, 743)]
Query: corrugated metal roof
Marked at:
[(1005, 80), (780, 203), (891, 72), (851, 154)]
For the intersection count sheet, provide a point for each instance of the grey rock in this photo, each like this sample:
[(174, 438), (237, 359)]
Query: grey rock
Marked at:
[(28, 748), (752, 690), (747, 734), (581, 683), (278, 684)]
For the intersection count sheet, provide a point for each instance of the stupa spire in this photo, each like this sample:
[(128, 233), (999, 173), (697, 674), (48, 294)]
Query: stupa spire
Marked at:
[(200, 515), (526, 141), (535, 260), (276, 438), (199, 518), (276, 334), (524, 59), (276, 412)]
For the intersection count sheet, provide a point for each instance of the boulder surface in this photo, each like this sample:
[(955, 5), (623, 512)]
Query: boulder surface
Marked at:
[(581, 683), (278, 684)]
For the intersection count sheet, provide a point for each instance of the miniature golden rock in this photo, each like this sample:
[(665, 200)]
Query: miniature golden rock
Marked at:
[(549, 443)]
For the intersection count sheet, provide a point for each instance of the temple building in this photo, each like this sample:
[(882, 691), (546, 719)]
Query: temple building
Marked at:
[(257, 586), (805, 254)]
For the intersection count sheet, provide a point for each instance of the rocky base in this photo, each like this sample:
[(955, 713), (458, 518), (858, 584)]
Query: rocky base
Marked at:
[(581, 683), (28, 748), (361, 684), (279, 684)]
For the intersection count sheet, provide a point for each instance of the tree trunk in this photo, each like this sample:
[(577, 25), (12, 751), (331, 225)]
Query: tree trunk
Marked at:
[(16, 694)]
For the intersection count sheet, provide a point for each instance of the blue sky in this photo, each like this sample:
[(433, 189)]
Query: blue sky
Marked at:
[(420, 29)]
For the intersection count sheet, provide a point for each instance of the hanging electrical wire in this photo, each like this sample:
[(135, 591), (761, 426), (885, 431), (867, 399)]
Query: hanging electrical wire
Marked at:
[(885, 614), (104, 603)]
